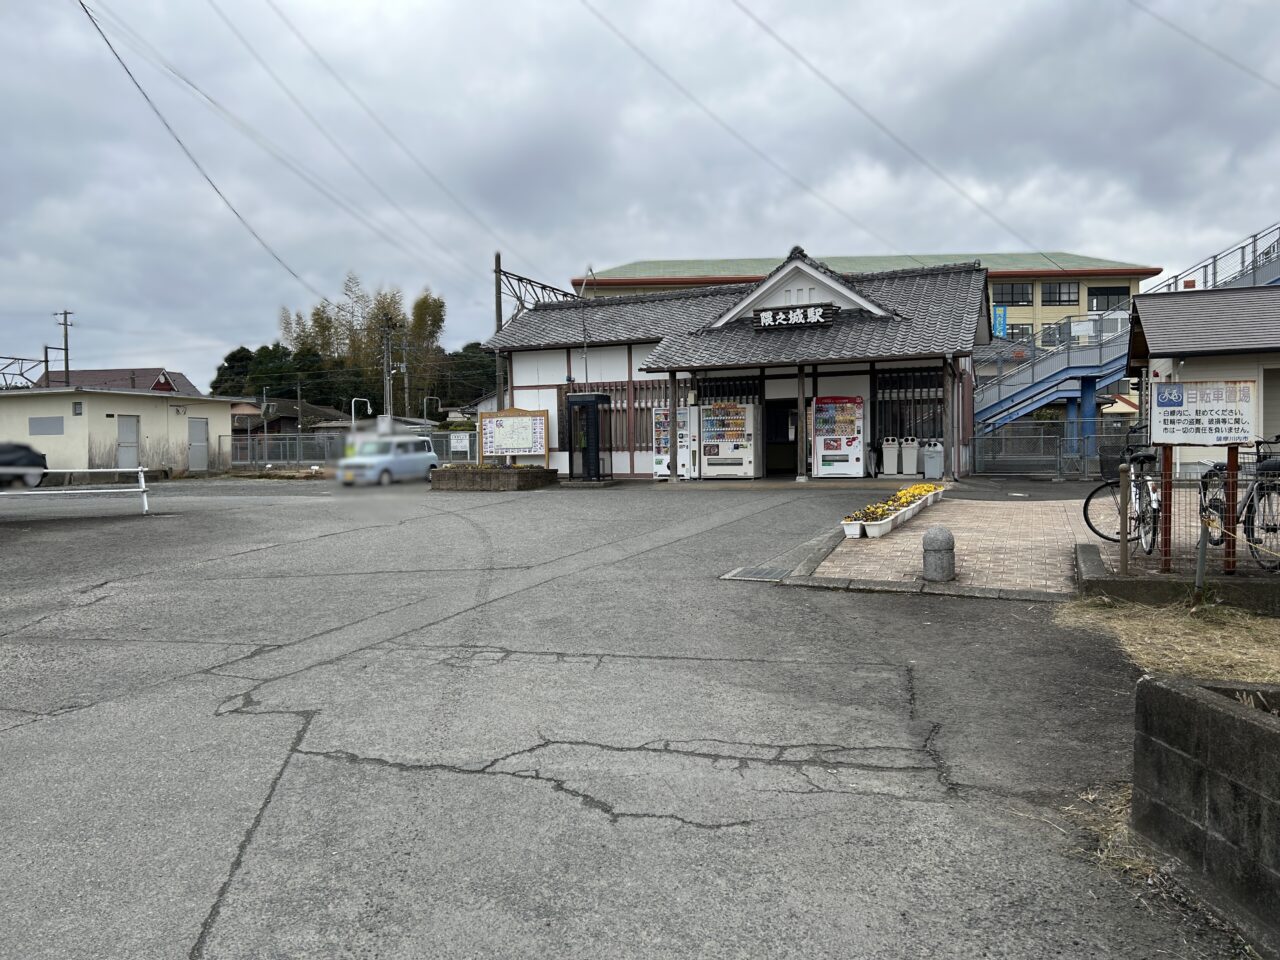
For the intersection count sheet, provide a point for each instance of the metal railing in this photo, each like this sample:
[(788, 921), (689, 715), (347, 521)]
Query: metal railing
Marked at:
[(1059, 449), (1093, 340), (64, 491), (1254, 260)]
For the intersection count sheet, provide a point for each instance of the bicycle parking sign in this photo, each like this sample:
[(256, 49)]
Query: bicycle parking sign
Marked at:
[(1205, 413)]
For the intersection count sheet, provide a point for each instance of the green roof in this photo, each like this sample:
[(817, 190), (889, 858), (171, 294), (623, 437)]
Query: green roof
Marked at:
[(759, 266)]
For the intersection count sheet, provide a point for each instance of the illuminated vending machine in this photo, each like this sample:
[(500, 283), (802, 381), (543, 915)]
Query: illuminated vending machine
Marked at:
[(838, 450), (686, 442), (732, 440)]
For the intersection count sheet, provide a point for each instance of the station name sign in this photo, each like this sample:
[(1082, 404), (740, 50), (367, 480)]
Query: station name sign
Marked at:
[(801, 315)]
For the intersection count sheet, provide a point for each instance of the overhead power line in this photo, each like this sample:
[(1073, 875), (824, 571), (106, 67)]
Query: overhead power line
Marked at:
[(1205, 45), (891, 134), (394, 138), (140, 45), (333, 142), (194, 162), (741, 138)]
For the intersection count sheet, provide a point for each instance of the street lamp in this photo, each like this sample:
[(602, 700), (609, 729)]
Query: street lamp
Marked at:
[(368, 409), (424, 407)]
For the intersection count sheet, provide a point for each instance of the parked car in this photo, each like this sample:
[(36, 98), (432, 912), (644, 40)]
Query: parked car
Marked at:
[(21, 465), (388, 459)]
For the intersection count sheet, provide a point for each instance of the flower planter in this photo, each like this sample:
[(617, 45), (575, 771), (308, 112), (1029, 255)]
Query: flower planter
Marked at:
[(852, 529), (878, 528)]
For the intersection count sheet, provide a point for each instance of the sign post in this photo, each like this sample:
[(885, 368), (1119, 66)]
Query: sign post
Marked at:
[(1205, 413), (515, 433)]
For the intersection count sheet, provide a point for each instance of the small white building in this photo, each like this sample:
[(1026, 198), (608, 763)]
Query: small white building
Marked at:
[(1227, 335), (80, 428)]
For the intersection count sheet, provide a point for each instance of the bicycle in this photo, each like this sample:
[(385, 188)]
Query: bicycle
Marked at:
[(1102, 505), (1258, 510)]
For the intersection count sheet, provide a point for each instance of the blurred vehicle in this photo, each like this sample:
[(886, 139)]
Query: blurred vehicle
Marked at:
[(21, 465), (388, 459)]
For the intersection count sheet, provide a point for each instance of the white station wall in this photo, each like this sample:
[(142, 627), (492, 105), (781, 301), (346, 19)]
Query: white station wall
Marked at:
[(537, 366)]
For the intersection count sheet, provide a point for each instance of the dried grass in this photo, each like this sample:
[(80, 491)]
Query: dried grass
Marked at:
[(1102, 814), (1210, 643)]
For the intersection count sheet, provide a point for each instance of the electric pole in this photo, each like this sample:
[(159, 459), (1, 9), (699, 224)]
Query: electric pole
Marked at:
[(66, 325), (404, 371), (386, 369), (497, 327)]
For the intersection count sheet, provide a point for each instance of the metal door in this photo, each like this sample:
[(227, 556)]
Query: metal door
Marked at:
[(197, 444), (127, 443)]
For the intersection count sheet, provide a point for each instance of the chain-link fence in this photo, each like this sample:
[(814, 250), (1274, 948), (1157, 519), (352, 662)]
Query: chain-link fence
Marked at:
[(451, 446), (455, 446)]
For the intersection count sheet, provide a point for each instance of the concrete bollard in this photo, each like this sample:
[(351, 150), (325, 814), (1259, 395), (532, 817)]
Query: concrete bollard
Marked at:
[(939, 555)]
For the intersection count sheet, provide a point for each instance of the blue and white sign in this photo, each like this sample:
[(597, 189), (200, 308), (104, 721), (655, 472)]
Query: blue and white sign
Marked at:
[(1205, 413), (1000, 321)]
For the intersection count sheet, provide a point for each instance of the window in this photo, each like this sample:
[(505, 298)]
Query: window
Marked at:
[(1011, 294), (44, 426), (1021, 331), (77, 408), (1107, 298), (1060, 294)]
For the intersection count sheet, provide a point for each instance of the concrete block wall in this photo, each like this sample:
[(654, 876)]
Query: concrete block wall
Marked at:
[(1206, 789)]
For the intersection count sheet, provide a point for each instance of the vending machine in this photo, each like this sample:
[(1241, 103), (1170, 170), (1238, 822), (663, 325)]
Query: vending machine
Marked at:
[(838, 448), (686, 442), (732, 438)]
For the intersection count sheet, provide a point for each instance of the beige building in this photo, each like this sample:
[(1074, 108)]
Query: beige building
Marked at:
[(1035, 289), (84, 427)]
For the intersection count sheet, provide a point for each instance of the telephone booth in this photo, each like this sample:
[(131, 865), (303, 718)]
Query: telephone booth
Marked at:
[(590, 442)]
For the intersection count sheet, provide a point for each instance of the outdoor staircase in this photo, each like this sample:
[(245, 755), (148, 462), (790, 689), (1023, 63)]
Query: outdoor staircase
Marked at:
[(1079, 367), (1071, 372)]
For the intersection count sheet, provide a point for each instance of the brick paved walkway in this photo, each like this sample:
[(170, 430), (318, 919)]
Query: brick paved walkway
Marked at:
[(1011, 544)]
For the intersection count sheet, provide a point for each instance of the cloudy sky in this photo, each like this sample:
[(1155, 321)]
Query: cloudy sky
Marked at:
[(1086, 126)]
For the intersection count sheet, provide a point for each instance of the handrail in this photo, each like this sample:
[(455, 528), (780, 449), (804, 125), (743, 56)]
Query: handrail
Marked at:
[(1228, 265), (63, 491)]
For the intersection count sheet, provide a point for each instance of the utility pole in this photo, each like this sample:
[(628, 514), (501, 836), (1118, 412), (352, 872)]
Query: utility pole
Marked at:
[(497, 325), (297, 453), (404, 371), (386, 369), (65, 324)]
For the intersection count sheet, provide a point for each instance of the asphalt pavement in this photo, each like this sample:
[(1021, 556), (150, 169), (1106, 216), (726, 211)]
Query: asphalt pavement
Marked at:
[(281, 719)]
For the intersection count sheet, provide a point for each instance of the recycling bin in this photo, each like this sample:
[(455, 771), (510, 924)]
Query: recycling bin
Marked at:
[(910, 456), (889, 449), (931, 459)]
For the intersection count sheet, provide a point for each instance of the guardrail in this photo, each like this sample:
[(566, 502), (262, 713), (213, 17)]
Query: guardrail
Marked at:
[(141, 488)]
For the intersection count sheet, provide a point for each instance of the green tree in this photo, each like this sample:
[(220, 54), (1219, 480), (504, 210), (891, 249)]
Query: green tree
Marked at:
[(232, 371)]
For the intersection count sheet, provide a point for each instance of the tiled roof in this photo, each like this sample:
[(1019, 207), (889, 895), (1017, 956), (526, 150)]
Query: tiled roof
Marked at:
[(650, 316), (1048, 262), (129, 378), (1218, 320), (933, 311)]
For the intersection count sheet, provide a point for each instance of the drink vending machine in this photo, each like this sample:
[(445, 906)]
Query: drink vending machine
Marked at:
[(838, 448), (686, 442), (732, 440)]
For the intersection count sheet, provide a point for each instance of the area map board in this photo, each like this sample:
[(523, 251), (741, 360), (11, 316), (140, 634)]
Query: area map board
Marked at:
[(514, 433), (1205, 413)]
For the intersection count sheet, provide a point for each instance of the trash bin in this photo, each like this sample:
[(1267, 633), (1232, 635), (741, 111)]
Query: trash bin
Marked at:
[(931, 459), (910, 456), (889, 447)]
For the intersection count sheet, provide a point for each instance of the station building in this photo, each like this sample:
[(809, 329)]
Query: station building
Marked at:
[(885, 353)]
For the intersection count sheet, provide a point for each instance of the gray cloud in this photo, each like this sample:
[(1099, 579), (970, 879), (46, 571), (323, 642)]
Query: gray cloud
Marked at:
[(1089, 126)]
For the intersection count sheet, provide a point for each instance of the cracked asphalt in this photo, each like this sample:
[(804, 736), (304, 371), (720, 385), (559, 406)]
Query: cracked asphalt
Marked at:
[(276, 719)]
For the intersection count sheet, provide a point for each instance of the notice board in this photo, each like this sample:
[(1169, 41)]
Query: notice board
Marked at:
[(514, 433), (1205, 413)]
